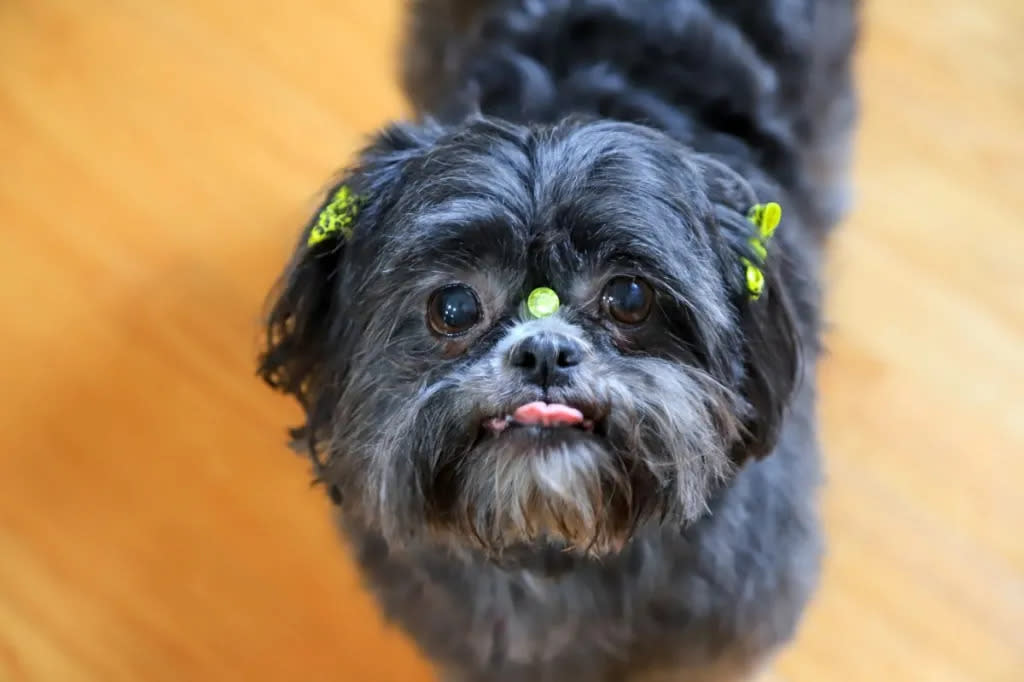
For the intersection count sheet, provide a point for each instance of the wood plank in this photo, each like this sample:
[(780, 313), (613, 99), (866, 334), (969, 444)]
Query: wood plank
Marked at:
[(157, 160)]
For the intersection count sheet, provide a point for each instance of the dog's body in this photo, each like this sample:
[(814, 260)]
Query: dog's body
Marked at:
[(609, 149)]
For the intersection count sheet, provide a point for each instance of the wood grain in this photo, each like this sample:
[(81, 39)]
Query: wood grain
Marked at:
[(156, 160)]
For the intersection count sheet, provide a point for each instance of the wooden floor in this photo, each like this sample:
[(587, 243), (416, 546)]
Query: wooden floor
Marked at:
[(156, 159)]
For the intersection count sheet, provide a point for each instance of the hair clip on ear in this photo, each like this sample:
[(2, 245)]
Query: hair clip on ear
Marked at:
[(337, 217), (766, 218)]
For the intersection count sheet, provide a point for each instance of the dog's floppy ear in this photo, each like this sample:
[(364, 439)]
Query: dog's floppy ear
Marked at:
[(771, 362), (756, 272), (307, 300)]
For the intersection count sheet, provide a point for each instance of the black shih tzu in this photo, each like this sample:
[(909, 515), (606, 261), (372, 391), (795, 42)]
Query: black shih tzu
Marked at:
[(556, 361)]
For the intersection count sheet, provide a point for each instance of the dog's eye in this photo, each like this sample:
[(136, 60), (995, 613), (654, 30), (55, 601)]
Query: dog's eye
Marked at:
[(628, 300), (453, 309)]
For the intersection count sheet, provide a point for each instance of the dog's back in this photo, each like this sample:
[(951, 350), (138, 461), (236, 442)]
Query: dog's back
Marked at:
[(768, 81)]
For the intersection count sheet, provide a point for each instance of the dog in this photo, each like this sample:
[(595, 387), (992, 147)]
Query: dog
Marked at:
[(556, 361)]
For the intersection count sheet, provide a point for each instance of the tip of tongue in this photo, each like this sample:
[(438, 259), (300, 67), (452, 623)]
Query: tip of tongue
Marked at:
[(548, 414)]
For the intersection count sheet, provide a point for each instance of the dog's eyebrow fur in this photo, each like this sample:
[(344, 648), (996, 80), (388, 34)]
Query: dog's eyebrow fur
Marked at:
[(462, 232), (460, 211)]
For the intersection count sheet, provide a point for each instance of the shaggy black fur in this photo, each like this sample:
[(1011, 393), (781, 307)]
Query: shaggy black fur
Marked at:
[(567, 143)]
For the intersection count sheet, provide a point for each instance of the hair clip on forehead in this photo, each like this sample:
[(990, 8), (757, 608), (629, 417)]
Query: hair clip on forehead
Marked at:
[(337, 218), (542, 302), (766, 218)]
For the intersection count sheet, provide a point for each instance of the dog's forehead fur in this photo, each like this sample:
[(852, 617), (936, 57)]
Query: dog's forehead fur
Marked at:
[(563, 206)]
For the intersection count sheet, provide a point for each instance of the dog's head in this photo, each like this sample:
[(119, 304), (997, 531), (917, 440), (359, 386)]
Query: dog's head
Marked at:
[(441, 408)]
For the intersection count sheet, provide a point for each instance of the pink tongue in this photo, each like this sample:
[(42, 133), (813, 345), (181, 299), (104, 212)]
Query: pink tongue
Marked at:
[(545, 414)]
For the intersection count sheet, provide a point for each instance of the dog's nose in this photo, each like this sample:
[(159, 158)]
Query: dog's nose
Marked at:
[(546, 359)]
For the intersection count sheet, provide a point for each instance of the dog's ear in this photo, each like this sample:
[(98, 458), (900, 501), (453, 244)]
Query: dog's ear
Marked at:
[(771, 361), (757, 275), (305, 305)]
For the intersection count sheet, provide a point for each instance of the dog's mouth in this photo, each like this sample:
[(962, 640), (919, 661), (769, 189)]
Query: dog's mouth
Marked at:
[(539, 415)]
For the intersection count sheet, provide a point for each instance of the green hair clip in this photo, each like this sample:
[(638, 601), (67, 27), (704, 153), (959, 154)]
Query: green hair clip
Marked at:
[(337, 218), (765, 218), (542, 302)]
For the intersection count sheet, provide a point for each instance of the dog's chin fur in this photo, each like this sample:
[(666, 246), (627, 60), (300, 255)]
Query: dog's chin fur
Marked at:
[(564, 143), (660, 448)]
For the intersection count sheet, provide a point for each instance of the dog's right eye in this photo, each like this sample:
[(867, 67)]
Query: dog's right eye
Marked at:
[(453, 310)]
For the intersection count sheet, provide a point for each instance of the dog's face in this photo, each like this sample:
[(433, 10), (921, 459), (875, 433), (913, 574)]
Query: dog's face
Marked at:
[(441, 409)]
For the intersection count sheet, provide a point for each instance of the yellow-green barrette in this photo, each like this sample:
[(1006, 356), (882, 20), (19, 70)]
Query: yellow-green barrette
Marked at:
[(765, 218), (337, 218), (542, 302)]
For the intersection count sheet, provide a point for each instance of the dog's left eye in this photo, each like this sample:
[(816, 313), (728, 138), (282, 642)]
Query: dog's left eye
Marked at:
[(453, 310), (628, 300)]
